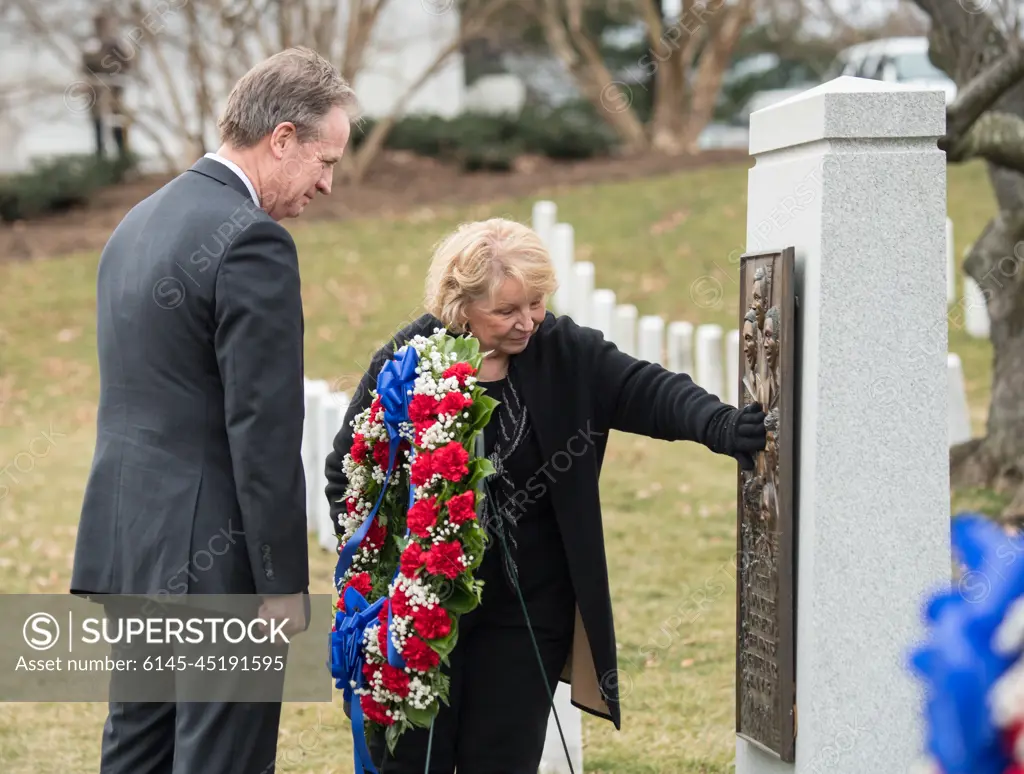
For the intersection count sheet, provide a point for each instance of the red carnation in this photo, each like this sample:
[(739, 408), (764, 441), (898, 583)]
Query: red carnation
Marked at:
[(460, 371), (422, 516), (422, 468), (419, 656), (412, 559), (381, 452), (450, 461), (375, 711), (445, 559), (382, 639), (453, 403), (400, 604), (351, 504), (423, 408), (382, 614), (375, 407), (420, 428), (432, 622), (396, 680), (370, 671), (359, 448), (376, 535), (360, 582), (461, 508)]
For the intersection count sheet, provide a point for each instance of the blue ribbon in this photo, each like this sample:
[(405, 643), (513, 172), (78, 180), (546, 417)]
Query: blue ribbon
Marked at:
[(394, 388), (957, 663), (346, 648), (394, 385)]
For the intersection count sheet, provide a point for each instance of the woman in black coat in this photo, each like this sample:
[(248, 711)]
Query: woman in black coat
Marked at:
[(562, 388)]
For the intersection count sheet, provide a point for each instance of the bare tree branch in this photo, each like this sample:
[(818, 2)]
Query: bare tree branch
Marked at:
[(472, 27), (570, 44), (984, 90), (995, 137)]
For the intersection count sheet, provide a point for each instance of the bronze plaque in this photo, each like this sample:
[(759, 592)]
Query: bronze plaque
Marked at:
[(766, 527)]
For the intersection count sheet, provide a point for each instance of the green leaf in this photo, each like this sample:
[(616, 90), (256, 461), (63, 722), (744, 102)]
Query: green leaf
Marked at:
[(463, 597), (467, 349), (421, 717), (442, 687), (480, 412), (391, 736), (474, 543), (479, 469), (444, 645)]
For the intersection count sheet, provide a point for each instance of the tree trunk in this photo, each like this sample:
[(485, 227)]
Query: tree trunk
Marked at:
[(995, 263), (968, 46), (612, 100), (711, 68)]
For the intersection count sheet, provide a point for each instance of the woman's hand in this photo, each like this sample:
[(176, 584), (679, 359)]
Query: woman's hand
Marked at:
[(745, 434)]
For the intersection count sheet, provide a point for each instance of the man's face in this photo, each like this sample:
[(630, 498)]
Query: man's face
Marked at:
[(750, 343), (758, 301), (303, 168), (771, 343)]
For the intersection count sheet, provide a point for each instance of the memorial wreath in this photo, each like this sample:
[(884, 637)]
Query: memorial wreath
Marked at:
[(410, 541), (972, 662)]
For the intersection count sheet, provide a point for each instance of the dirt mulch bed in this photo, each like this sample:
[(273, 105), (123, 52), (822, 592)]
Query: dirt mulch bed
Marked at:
[(398, 183)]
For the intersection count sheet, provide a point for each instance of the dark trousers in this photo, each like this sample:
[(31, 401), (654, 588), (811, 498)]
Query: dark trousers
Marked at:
[(498, 716), (190, 738), (185, 737)]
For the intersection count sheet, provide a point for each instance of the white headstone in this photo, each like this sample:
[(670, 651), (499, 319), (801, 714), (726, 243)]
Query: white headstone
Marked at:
[(975, 310), (959, 412), (545, 214), (332, 413), (602, 312), (732, 368), (709, 358), (950, 263), (553, 760), (651, 341), (680, 347), (563, 251), (582, 292), (624, 329), (862, 158), (317, 393)]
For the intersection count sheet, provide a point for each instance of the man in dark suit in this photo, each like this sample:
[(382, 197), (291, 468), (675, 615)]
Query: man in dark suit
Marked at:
[(197, 486)]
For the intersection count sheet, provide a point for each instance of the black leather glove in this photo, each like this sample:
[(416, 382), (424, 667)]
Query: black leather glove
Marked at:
[(740, 433)]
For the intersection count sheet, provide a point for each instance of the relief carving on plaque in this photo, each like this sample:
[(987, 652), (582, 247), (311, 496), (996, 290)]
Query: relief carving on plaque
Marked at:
[(765, 647)]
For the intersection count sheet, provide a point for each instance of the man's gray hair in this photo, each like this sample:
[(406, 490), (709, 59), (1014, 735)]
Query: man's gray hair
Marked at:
[(296, 85)]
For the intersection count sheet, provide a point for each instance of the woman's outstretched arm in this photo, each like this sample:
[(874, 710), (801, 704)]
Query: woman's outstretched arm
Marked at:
[(644, 398)]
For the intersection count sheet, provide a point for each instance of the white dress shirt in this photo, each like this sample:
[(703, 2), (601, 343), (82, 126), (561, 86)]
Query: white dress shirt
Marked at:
[(238, 171)]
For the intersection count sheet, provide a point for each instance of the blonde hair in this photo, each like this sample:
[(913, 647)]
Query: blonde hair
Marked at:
[(472, 262)]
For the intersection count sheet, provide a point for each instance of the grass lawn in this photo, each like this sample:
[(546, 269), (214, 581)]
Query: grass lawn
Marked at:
[(650, 240)]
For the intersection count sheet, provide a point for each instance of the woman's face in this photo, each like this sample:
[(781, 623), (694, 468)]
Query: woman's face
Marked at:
[(505, 322)]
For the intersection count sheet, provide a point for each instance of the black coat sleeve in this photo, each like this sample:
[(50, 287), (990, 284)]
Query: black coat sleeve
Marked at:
[(636, 396), (258, 329)]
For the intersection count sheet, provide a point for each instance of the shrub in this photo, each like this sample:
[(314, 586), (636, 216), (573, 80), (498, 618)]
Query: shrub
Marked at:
[(57, 184), (479, 141)]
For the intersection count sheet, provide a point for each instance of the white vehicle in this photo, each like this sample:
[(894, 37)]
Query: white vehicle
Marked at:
[(895, 60)]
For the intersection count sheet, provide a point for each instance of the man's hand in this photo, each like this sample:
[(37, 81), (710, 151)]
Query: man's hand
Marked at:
[(290, 608)]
